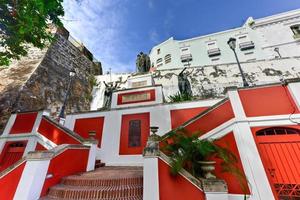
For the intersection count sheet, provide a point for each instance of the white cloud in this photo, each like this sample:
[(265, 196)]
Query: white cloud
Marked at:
[(98, 24)]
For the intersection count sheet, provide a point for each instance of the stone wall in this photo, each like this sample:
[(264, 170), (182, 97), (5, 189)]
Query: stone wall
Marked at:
[(39, 80)]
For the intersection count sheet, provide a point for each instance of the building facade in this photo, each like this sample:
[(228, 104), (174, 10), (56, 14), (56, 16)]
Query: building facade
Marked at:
[(264, 38)]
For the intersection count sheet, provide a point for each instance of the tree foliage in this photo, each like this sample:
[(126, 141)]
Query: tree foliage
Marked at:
[(26, 22)]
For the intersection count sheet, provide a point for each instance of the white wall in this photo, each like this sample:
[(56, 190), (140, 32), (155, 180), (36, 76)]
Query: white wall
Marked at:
[(159, 116)]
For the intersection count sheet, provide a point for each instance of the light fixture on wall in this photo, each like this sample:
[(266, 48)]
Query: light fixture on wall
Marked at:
[(232, 44)]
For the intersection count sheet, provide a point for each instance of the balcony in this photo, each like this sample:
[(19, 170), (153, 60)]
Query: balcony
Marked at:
[(186, 57), (246, 45), (214, 52)]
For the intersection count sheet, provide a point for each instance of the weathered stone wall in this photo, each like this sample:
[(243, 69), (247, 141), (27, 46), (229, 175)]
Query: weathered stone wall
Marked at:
[(39, 81), (210, 81)]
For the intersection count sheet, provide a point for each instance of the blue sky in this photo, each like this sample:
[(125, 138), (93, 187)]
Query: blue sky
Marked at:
[(115, 31)]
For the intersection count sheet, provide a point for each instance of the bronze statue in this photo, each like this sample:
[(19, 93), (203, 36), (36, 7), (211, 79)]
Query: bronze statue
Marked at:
[(184, 84), (143, 62), (109, 89)]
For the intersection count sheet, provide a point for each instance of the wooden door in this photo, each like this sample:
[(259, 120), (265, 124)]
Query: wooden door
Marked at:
[(279, 149)]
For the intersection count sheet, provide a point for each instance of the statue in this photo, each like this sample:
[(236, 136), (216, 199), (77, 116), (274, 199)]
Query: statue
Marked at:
[(143, 62), (109, 89), (184, 84)]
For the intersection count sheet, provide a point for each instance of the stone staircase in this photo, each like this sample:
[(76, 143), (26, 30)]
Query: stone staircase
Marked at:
[(104, 183)]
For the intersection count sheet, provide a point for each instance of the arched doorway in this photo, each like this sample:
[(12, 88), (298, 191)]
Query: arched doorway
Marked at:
[(279, 148), (12, 152)]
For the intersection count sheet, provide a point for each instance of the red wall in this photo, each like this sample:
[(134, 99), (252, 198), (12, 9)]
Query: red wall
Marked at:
[(9, 183), (178, 117), (83, 126), (55, 134), (274, 100), (145, 130), (212, 119), (176, 187), (11, 155), (69, 162), (234, 187), (24, 123)]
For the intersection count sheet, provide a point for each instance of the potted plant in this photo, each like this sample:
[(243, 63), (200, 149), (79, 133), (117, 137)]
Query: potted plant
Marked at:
[(196, 156)]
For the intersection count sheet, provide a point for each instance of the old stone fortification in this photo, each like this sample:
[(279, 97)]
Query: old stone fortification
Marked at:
[(39, 80), (210, 81)]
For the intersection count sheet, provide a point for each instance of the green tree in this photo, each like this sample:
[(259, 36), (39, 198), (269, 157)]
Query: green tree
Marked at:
[(26, 22)]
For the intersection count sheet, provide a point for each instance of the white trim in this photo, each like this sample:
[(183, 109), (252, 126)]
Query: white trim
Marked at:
[(9, 124), (236, 104), (30, 146)]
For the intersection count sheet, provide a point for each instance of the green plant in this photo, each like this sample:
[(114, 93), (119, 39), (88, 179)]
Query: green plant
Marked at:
[(186, 150), (178, 97), (26, 22), (93, 81)]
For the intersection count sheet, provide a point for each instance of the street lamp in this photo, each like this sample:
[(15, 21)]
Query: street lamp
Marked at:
[(232, 44), (61, 115)]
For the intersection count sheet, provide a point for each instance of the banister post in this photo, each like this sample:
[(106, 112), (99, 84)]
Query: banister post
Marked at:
[(150, 172), (34, 175)]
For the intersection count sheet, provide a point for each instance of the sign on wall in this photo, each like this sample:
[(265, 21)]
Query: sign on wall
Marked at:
[(136, 97)]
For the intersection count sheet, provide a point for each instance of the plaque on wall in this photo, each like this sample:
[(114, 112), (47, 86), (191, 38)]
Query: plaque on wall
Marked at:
[(139, 84), (136, 97)]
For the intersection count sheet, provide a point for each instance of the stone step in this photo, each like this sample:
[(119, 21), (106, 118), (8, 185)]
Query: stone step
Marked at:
[(105, 183), (71, 192), (94, 182), (127, 198)]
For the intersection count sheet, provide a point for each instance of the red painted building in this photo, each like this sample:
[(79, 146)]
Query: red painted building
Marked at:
[(260, 125)]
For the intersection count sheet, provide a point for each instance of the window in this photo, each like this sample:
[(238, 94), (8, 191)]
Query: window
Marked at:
[(277, 131), (245, 43), (134, 138), (212, 49), (185, 54), (167, 58), (296, 31), (158, 60), (158, 51)]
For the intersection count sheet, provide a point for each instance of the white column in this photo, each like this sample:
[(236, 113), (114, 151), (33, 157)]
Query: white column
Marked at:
[(92, 155), (252, 164), (259, 185), (151, 181), (33, 177), (236, 103), (294, 89)]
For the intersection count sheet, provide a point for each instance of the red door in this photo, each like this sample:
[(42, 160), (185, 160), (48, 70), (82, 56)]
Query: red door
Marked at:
[(279, 149), (11, 154)]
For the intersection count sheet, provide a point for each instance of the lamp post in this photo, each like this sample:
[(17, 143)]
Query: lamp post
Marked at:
[(62, 111), (232, 44)]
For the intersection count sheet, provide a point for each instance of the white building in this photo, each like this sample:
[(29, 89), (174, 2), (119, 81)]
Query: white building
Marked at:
[(257, 39)]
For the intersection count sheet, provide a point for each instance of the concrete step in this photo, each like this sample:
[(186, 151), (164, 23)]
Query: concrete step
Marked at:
[(113, 183)]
